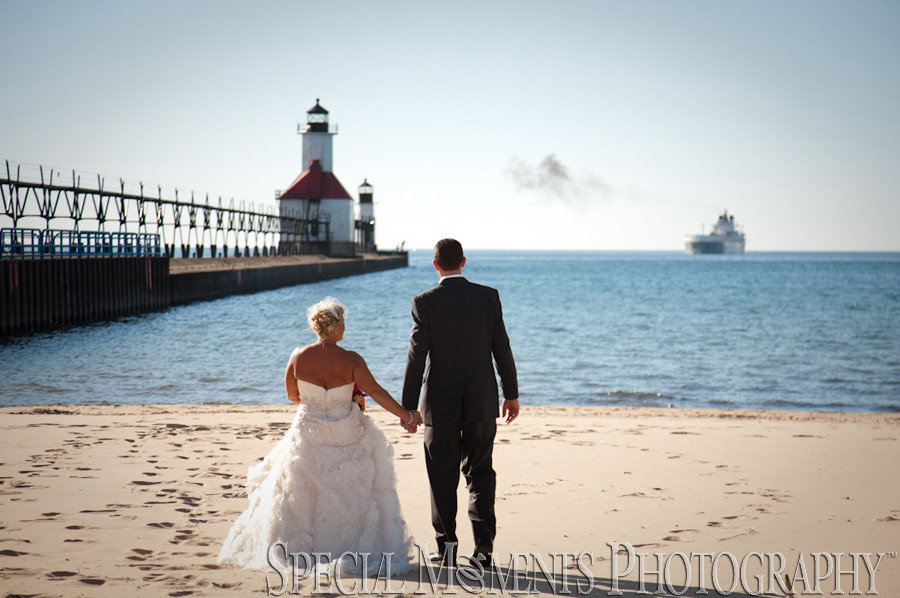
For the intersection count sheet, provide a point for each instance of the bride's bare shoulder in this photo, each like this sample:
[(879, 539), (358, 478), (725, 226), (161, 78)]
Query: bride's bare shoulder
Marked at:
[(300, 351), (354, 358)]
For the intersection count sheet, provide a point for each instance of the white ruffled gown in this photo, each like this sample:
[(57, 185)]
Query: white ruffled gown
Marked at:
[(327, 486)]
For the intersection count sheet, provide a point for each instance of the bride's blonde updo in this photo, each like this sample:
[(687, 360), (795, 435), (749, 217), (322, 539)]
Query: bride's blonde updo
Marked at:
[(324, 316)]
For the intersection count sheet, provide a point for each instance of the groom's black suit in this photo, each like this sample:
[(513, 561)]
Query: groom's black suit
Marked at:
[(458, 326)]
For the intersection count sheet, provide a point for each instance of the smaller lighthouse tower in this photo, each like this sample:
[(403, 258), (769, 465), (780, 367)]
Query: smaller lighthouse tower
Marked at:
[(316, 194), (366, 223)]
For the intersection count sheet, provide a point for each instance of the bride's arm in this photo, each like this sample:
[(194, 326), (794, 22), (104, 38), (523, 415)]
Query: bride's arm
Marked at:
[(290, 381), (366, 382)]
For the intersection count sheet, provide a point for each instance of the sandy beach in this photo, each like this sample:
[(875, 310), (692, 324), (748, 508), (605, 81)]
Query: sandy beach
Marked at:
[(135, 500)]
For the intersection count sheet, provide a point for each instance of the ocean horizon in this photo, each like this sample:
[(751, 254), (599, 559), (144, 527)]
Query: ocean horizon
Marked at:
[(816, 331)]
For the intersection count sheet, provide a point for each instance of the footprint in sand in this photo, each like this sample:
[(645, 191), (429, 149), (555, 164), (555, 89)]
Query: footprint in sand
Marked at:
[(8, 552), (163, 524), (61, 574), (676, 538)]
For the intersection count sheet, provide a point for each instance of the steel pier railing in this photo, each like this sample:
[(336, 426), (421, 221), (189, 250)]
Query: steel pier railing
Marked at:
[(35, 197), (37, 243)]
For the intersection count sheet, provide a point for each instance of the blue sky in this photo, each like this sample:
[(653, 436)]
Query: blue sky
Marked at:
[(563, 125)]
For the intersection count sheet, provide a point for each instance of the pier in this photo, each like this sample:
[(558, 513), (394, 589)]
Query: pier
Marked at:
[(76, 249), (202, 279), (53, 293)]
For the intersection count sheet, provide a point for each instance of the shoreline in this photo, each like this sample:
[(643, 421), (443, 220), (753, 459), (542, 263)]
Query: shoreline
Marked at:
[(101, 500), (596, 410)]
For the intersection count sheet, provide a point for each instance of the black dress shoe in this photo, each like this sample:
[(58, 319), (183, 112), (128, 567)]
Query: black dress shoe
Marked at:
[(480, 559), (483, 555)]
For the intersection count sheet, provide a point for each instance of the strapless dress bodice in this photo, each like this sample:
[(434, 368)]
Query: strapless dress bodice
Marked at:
[(329, 414), (326, 403)]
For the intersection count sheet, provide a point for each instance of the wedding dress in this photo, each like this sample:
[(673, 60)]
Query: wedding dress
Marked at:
[(327, 487)]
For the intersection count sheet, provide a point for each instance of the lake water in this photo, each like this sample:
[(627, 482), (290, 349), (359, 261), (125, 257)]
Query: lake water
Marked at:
[(796, 331)]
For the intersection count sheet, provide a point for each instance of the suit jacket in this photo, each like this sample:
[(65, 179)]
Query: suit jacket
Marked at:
[(458, 326)]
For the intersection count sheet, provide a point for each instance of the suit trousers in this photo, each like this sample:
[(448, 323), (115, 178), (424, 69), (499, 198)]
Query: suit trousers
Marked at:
[(467, 446)]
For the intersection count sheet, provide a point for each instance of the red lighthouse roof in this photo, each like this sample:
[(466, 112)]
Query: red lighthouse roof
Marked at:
[(316, 184)]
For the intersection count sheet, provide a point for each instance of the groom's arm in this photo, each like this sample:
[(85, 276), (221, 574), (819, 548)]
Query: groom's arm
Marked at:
[(506, 365), (419, 345)]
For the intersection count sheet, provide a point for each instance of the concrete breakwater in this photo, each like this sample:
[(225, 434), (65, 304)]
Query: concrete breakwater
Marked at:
[(45, 294)]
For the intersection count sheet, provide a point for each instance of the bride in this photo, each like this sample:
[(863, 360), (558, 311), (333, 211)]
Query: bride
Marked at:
[(328, 486)]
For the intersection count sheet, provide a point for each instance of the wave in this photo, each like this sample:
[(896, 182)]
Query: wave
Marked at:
[(809, 405), (632, 398)]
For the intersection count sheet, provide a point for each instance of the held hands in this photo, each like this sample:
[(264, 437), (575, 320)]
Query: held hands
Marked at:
[(412, 424)]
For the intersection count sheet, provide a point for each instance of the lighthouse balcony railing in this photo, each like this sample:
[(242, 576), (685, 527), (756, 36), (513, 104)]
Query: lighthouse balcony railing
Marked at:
[(46, 243), (331, 129)]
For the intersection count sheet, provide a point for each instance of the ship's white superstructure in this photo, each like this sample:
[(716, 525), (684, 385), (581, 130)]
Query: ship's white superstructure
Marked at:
[(726, 237)]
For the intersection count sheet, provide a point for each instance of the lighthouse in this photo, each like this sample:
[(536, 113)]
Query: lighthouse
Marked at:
[(366, 223), (316, 195)]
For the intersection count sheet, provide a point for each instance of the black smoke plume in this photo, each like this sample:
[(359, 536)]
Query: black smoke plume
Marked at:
[(551, 180)]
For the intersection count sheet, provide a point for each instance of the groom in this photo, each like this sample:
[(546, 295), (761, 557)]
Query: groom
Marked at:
[(458, 326)]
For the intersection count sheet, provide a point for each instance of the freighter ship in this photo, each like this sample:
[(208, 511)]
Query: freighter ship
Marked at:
[(725, 237)]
